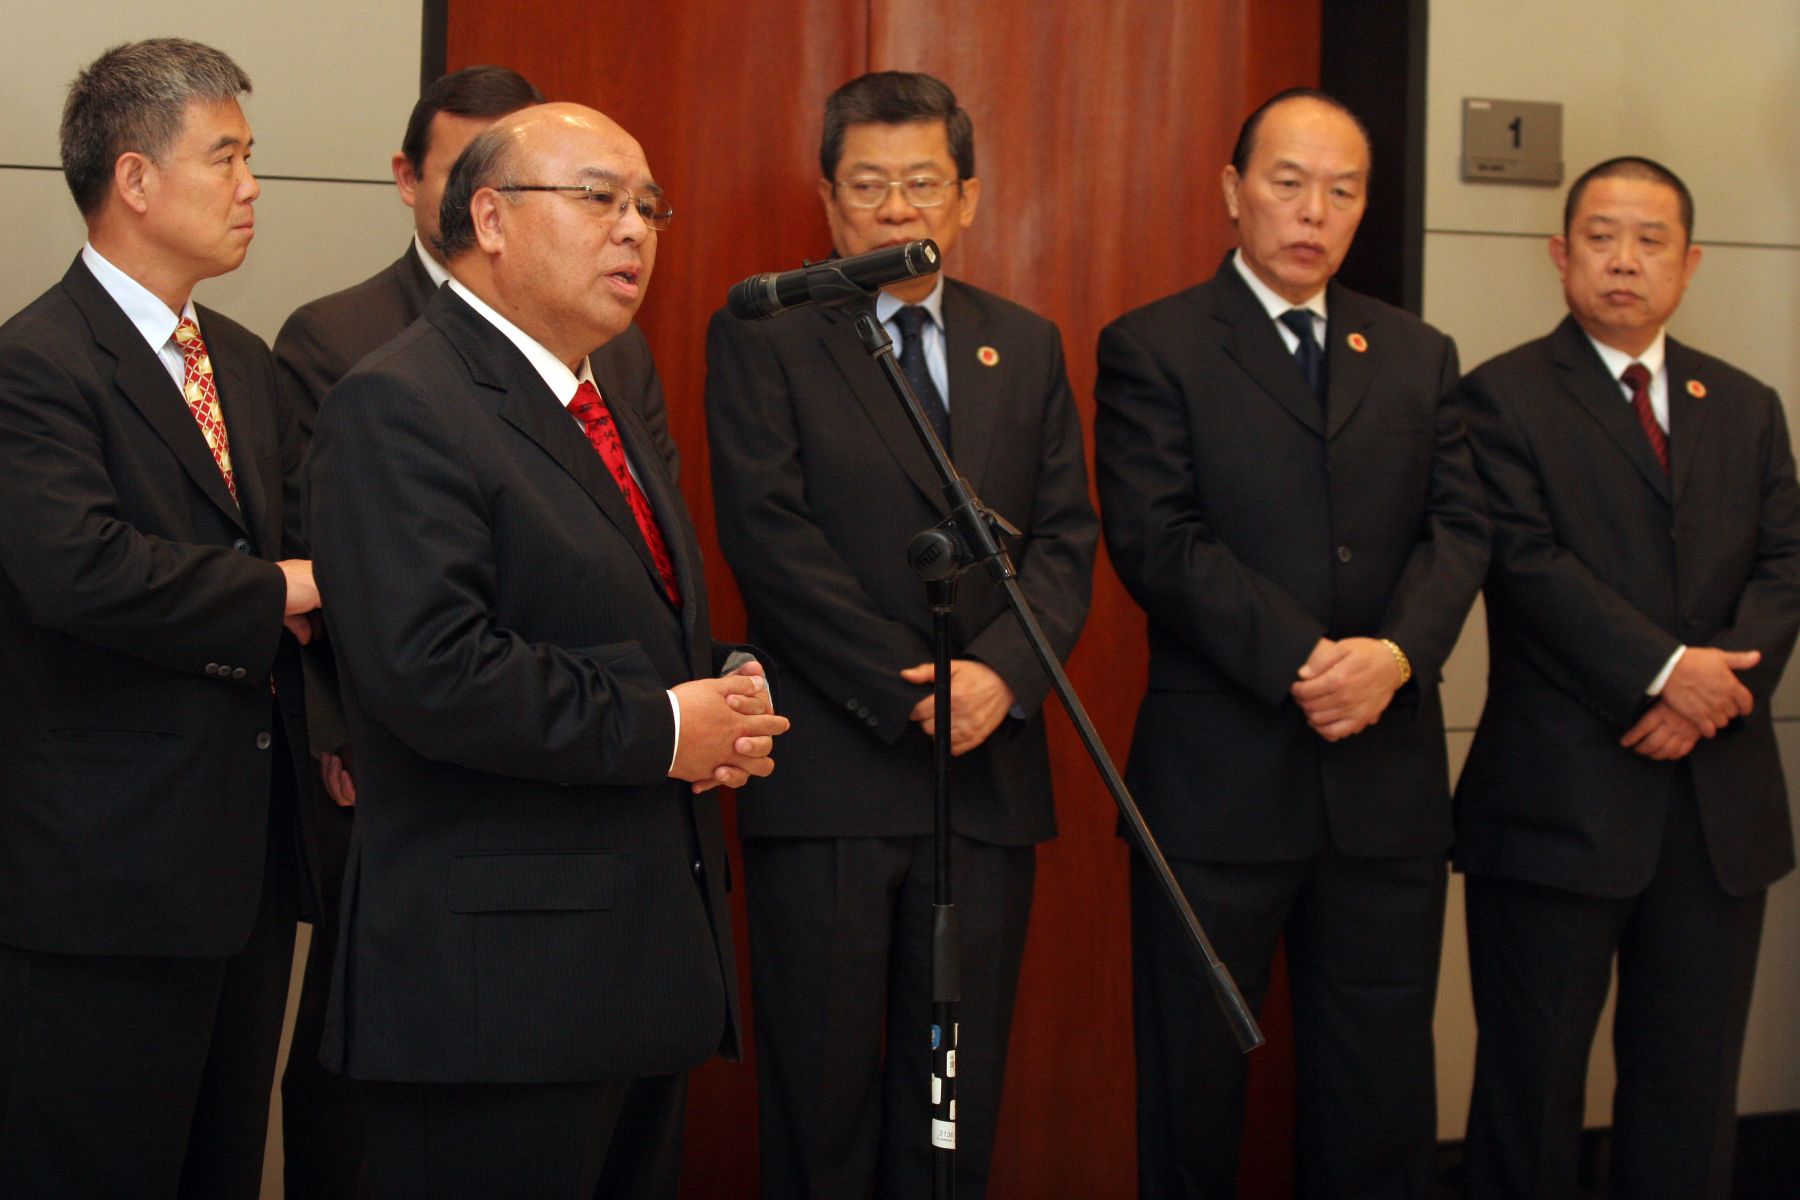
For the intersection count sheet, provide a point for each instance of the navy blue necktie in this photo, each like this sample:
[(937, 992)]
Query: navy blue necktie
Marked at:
[(911, 321), (1308, 353)]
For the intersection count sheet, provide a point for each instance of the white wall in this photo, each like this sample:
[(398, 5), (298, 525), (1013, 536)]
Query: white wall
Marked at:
[(1711, 92), (335, 80)]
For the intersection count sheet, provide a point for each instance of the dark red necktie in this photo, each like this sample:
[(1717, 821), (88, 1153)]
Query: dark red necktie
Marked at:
[(1637, 378), (588, 408)]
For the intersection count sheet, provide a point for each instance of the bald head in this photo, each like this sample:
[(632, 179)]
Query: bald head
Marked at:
[(1299, 196), (544, 217)]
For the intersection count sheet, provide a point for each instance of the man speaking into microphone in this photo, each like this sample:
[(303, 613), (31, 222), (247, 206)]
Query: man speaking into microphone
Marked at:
[(820, 482)]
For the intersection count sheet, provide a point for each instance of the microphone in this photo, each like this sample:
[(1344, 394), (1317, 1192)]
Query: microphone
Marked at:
[(832, 281)]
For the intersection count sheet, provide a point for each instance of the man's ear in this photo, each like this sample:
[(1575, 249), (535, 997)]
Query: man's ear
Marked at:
[(486, 209), (133, 180), (405, 178)]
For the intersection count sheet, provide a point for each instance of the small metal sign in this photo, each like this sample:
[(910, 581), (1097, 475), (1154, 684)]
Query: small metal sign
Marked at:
[(1512, 141)]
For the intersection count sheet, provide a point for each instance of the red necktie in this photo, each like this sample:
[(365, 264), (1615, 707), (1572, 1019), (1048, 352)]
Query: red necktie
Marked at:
[(588, 408), (1637, 378), (202, 397)]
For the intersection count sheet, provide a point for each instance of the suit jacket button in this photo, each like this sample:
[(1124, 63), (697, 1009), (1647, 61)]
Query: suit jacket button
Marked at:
[(699, 868), (237, 672), (242, 546), (263, 739), (851, 704), (1343, 553), (874, 721), (212, 668)]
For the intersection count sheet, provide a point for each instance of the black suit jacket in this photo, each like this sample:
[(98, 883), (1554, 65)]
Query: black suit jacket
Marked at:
[(1249, 524), (820, 483), (140, 624), (1602, 566), (529, 897), (317, 346)]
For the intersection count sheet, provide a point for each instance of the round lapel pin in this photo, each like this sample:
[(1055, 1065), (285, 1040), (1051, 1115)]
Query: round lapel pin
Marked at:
[(1358, 343), (989, 356), (1696, 389)]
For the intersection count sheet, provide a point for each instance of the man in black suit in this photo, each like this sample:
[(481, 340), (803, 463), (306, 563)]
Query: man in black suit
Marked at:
[(820, 484), (1623, 799), (148, 867), (1286, 489), (535, 945), (317, 346)]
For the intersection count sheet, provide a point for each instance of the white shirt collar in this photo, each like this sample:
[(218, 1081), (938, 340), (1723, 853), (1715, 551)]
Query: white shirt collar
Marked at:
[(153, 319), (561, 381), (887, 304), (1273, 304), (433, 268), (1617, 360)]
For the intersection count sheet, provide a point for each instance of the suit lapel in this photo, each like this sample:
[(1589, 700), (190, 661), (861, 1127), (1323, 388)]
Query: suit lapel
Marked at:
[(528, 406), (1585, 379), (975, 388), (866, 382), (1349, 370), (1688, 412), (144, 381), (1255, 346)]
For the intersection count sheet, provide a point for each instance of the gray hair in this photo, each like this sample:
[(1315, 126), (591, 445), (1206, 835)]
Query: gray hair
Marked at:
[(134, 98)]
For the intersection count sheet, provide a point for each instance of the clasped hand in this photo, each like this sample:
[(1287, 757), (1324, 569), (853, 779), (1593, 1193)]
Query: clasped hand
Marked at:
[(979, 701), (728, 729), (1345, 686), (1701, 696)]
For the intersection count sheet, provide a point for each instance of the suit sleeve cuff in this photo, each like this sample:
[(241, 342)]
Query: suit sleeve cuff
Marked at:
[(1662, 676)]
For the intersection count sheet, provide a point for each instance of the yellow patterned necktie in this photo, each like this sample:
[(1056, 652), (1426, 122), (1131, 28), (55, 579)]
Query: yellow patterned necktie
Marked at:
[(202, 397)]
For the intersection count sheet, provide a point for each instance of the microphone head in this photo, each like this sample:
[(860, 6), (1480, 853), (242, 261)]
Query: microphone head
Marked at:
[(754, 298), (922, 256)]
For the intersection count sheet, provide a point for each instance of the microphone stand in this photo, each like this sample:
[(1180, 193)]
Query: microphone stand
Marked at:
[(967, 538)]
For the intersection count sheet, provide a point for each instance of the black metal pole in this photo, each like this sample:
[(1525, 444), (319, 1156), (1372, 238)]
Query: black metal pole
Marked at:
[(976, 531), (946, 974)]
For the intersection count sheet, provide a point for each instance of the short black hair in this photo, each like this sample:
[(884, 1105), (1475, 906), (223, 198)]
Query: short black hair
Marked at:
[(133, 99), (1246, 139), (896, 98), (1631, 166), (485, 162), (484, 91)]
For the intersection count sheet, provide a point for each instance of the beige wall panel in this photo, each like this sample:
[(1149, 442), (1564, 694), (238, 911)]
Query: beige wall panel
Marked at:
[(334, 79), (1490, 293), (40, 233), (311, 238), (1709, 91)]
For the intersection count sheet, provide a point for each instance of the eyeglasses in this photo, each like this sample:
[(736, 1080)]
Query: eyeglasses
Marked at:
[(653, 209), (921, 191)]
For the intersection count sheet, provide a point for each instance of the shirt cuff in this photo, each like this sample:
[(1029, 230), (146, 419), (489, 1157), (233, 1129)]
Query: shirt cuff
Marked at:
[(1662, 676), (675, 707)]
